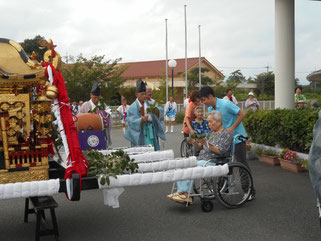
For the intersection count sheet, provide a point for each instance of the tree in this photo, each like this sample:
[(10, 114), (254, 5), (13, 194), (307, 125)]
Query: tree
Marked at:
[(159, 94), (193, 78), (265, 82), (236, 77), (220, 90), (129, 93), (250, 80), (30, 45), (81, 75)]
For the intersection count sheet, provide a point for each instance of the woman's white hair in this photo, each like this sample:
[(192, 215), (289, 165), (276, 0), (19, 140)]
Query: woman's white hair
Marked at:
[(198, 108), (216, 115)]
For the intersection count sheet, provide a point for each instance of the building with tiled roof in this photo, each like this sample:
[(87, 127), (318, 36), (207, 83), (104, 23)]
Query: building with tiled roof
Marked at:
[(154, 73)]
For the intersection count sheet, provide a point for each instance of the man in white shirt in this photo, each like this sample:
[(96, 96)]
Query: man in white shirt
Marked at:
[(95, 105), (91, 104)]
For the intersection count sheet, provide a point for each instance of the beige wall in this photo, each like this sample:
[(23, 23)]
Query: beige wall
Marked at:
[(179, 81)]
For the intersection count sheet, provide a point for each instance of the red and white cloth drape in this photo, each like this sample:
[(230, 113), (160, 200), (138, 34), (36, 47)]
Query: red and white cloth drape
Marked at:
[(77, 163)]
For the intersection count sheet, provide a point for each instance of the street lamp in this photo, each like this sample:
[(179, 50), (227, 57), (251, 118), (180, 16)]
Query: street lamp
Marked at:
[(172, 64)]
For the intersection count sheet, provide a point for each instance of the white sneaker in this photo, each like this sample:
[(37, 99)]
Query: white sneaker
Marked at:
[(172, 131), (251, 197), (166, 131)]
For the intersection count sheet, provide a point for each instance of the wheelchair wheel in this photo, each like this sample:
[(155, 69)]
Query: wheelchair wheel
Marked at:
[(186, 149), (234, 189), (206, 185), (207, 206)]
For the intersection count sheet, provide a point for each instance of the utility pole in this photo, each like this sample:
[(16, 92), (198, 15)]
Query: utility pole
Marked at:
[(267, 72), (166, 62), (67, 58), (186, 81), (199, 58)]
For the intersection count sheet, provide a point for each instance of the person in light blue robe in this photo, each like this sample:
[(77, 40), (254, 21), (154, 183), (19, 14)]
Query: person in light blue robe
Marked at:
[(144, 128)]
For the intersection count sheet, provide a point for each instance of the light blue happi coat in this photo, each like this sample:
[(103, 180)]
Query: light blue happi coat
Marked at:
[(148, 133)]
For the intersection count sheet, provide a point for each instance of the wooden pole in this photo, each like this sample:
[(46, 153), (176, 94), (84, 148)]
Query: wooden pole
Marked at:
[(4, 139)]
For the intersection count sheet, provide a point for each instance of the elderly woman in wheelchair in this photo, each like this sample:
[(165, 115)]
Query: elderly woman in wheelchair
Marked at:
[(215, 146)]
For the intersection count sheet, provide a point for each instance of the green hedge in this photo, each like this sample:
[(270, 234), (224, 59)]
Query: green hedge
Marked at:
[(179, 117), (289, 128)]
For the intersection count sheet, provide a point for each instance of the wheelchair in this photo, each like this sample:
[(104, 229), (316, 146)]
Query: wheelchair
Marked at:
[(231, 190), (187, 149)]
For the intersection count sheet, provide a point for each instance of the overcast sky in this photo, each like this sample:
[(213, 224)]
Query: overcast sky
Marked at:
[(235, 34)]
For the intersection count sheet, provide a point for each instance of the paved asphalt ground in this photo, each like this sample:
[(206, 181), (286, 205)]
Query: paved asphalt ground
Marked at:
[(284, 210)]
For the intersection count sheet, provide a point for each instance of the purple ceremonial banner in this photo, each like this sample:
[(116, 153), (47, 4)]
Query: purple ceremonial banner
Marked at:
[(95, 140)]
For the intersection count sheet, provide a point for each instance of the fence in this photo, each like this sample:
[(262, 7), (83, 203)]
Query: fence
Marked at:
[(265, 105)]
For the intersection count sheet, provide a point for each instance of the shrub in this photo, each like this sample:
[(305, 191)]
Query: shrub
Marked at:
[(288, 128), (260, 124), (179, 117), (258, 151), (269, 153)]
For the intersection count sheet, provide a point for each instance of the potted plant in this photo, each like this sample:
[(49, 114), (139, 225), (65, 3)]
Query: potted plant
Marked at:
[(289, 160), (268, 156)]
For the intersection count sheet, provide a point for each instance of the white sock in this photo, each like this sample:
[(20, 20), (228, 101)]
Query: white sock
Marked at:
[(124, 130), (172, 128), (166, 128)]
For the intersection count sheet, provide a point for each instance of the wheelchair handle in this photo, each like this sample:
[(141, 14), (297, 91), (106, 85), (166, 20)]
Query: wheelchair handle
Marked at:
[(241, 137)]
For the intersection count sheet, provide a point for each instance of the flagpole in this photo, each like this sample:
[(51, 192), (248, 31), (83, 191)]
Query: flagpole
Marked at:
[(166, 47), (199, 58), (186, 94)]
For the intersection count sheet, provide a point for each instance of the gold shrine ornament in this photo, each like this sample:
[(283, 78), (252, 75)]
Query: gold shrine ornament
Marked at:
[(56, 61), (48, 55), (51, 92)]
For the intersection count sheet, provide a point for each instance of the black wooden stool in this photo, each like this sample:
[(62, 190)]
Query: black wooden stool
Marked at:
[(40, 204)]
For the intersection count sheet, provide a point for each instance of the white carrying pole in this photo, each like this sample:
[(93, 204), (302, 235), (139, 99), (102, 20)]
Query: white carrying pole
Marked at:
[(166, 47), (186, 94), (199, 57)]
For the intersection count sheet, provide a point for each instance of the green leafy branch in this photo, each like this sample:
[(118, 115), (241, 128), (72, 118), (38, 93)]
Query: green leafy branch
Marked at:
[(100, 106), (111, 165), (197, 136), (153, 109)]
